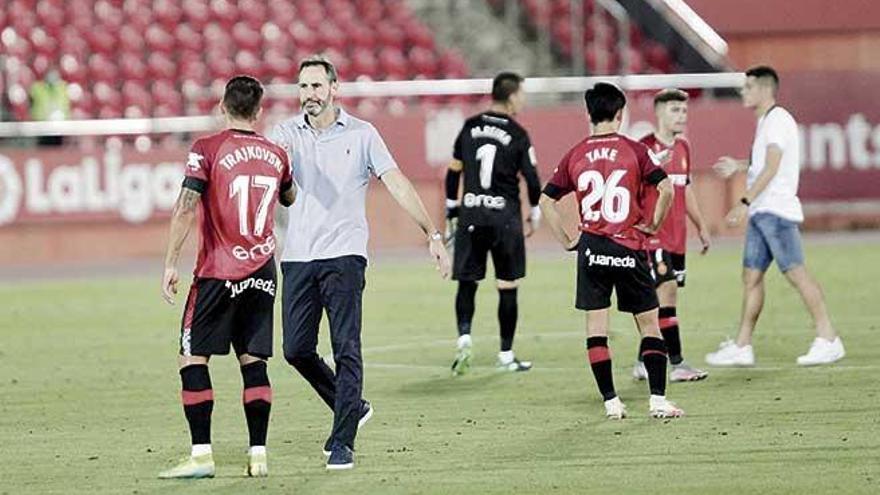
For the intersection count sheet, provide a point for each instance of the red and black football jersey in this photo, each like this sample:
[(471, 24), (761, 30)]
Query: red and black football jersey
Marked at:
[(608, 174), (672, 235), (240, 175)]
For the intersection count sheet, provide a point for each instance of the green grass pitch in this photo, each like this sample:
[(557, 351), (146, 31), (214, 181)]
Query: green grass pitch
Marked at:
[(89, 393)]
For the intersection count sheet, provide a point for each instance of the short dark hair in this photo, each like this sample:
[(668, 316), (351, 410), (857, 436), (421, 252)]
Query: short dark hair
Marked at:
[(320, 61), (604, 100), (764, 72), (669, 94), (242, 97), (504, 85)]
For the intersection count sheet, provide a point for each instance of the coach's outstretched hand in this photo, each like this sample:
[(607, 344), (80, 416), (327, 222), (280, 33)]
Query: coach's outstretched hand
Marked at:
[(441, 257), (169, 285)]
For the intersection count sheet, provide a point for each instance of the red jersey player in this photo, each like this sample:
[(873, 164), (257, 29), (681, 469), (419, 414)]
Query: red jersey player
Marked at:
[(667, 248), (609, 174), (233, 178)]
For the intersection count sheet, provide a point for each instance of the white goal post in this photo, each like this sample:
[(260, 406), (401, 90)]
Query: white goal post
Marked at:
[(368, 89)]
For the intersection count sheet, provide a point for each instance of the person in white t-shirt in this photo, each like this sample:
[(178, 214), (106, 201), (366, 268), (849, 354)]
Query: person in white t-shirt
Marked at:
[(774, 212)]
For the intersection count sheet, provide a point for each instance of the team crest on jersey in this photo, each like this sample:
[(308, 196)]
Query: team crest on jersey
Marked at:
[(193, 161), (660, 158), (661, 268)]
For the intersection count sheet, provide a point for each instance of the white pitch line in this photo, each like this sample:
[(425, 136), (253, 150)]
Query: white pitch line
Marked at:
[(436, 367), (451, 342)]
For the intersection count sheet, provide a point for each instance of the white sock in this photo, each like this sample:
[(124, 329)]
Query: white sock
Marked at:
[(505, 357), (201, 449), (657, 398), (257, 450), (464, 340)]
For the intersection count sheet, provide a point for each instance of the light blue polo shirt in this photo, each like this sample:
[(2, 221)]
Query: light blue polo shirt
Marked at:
[(331, 169)]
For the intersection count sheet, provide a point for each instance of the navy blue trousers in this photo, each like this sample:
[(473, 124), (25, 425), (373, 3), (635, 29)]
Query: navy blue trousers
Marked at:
[(336, 286)]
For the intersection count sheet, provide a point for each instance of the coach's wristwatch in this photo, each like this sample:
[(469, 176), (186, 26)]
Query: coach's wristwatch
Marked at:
[(436, 236), (745, 201)]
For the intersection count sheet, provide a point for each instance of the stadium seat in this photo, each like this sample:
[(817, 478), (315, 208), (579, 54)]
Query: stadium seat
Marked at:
[(161, 66), (643, 55), (102, 68), (137, 56)]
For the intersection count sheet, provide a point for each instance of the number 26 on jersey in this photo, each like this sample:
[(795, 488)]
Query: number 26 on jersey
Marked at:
[(609, 198)]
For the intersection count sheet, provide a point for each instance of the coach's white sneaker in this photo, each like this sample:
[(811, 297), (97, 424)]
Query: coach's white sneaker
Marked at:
[(614, 409), (639, 371), (823, 351), (730, 354), (659, 407)]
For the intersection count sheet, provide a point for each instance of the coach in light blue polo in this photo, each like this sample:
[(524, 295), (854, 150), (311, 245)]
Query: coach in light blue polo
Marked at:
[(333, 156)]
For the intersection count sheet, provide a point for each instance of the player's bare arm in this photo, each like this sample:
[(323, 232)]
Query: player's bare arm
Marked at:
[(182, 218), (664, 202), (727, 166), (550, 209), (406, 196), (696, 216), (773, 160)]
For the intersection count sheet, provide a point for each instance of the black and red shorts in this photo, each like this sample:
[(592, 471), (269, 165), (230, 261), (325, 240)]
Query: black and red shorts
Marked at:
[(667, 266), (237, 312), (603, 267)]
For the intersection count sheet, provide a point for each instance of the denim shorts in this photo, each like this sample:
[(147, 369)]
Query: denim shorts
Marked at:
[(770, 237)]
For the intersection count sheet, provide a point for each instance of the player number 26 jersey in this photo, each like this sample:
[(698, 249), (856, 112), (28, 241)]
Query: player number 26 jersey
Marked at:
[(240, 175), (609, 174)]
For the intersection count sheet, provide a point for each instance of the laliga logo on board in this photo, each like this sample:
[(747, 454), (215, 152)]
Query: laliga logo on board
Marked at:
[(135, 191)]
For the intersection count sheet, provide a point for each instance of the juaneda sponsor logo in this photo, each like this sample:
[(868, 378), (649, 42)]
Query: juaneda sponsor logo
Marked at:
[(134, 191), (607, 260), (265, 285)]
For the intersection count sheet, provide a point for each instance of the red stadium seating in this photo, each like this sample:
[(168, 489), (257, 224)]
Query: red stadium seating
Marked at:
[(133, 57), (602, 37)]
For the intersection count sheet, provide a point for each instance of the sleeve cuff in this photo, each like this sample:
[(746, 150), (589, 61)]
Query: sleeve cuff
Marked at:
[(656, 176), (554, 191), (195, 184)]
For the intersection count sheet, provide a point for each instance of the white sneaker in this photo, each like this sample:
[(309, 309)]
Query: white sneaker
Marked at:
[(823, 351), (614, 409), (659, 407), (683, 372), (257, 467), (639, 371), (730, 354)]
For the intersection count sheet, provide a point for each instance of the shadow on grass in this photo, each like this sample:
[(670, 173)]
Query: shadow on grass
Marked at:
[(447, 384)]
